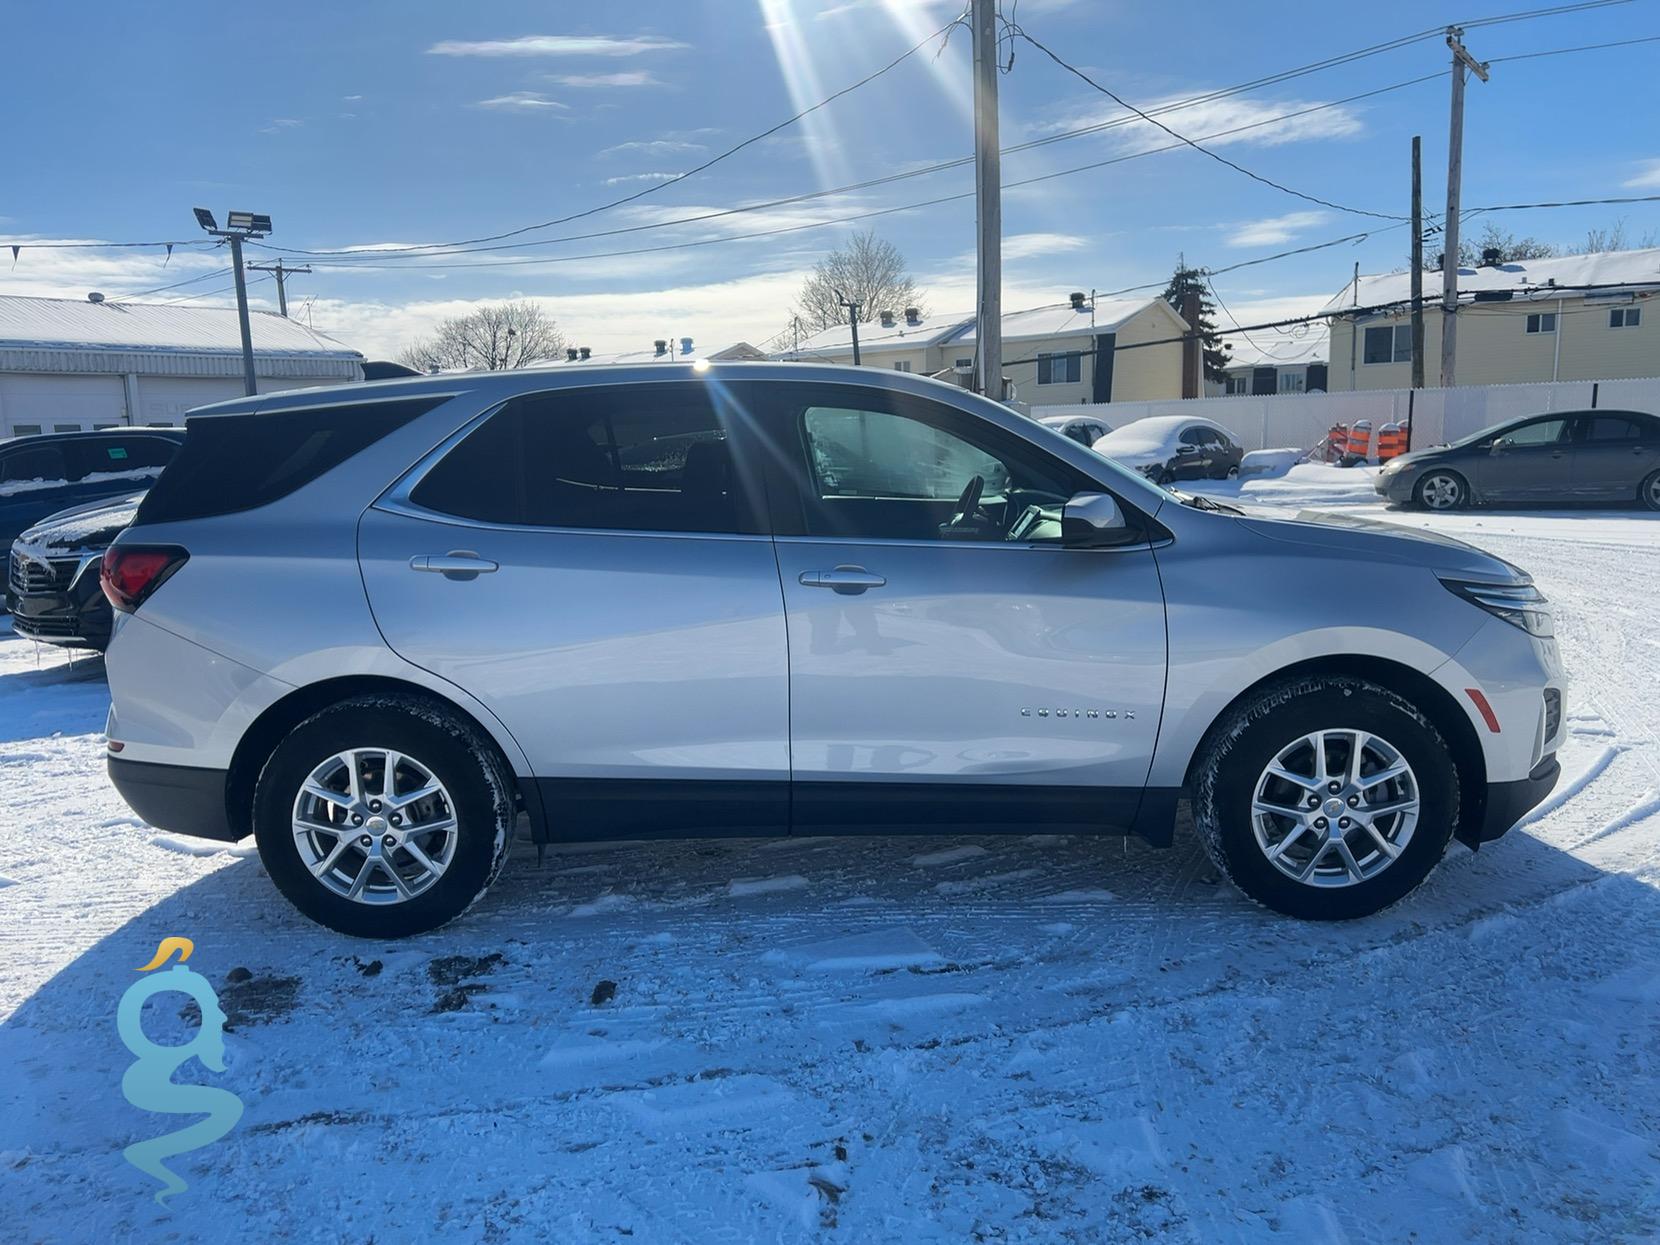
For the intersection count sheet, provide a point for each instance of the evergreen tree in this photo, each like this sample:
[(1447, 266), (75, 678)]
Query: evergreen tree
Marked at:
[(1216, 351)]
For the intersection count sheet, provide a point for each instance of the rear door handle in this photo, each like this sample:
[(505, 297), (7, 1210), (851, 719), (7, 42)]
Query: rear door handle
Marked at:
[(847, 580), (456, 564)]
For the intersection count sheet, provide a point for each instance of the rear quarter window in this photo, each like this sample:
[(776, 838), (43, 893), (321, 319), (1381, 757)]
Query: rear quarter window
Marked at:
[(231, 463)]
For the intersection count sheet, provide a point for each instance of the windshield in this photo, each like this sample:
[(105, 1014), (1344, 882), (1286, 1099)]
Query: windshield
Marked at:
[(1491, 431)]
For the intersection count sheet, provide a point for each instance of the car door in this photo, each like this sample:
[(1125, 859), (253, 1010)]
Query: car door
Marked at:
[(33, 483), (590, 564), (1614, 452), (1532, 461), (948, 676), (1192, 461)]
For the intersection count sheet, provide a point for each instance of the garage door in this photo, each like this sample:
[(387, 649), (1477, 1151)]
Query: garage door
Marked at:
[(163, 400), (31, 403)]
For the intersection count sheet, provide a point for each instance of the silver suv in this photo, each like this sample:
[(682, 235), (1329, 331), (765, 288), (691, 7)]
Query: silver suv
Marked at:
[(373, 626)]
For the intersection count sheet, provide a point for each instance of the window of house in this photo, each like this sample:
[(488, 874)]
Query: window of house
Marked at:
[(651, 458), (1388, 344), (26, 430), (1236, 384), (1542, 322), (1293, 382), (903, 365), (1625, 317), (1056, 368), (968, 363)]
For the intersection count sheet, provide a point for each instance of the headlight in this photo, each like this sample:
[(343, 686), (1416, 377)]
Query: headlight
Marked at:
[(1521, 605)]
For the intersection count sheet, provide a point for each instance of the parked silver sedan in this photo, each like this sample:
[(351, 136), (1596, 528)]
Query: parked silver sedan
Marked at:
[(1567, 456), (374, 626)]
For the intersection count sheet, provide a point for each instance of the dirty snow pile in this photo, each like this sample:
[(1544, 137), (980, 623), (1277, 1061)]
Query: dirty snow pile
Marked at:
[(937, 1038)]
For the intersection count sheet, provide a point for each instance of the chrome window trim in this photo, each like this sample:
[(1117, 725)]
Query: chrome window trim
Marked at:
[(969, 544)]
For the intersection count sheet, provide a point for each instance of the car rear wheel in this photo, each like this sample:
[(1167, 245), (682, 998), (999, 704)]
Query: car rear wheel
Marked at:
[(1326, 798), (384, 816), (1649, 492), (1441, 490)]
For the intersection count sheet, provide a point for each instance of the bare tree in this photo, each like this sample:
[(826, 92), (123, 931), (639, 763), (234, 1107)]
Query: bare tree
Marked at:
[(1615, 238), (869, 271), (495, 338), (1508, 245)]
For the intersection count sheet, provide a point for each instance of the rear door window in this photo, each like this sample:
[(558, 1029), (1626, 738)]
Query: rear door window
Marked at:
[(36, 462), (649, 458), (1603, 429)]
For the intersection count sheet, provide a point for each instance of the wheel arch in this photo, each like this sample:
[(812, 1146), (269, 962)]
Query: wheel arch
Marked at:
[(1463, 477), (1433, 700), (267, 730)]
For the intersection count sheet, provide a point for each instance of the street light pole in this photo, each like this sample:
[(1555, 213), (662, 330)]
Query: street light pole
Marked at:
[(853, 323), (238, 226)]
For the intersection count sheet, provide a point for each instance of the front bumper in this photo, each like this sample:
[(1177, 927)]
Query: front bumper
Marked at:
[(1508, 802), (76, 617), (180, 798), (1396, 487)]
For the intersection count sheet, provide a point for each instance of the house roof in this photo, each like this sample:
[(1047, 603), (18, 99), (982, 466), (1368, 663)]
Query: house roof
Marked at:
[(76, 324), (735, 351), (1058, 320), (1281, 348), (1599, 272)]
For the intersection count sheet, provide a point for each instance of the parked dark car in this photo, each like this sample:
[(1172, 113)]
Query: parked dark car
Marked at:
[(41, 475), (1566, 456), (52, 587), (1084, 429), (1167, 448)]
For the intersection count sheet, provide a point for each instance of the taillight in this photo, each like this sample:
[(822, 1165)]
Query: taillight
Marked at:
[(130, 573)]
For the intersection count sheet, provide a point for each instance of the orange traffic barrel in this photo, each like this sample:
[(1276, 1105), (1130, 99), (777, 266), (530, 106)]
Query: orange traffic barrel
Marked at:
[(1337, 441), (1359, 444), (1391, 442)]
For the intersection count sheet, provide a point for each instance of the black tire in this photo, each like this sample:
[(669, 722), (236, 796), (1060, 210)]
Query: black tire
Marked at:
[(1649, 491), (1459, 486), (1238, 750), (477, 779)]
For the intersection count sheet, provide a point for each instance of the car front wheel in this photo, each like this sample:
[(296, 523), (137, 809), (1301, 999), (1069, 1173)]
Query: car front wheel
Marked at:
[(384, 816), (1326, 798), (1649, 492), (1441, 490)]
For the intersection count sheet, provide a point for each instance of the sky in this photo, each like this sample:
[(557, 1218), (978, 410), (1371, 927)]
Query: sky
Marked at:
[(378, 125)]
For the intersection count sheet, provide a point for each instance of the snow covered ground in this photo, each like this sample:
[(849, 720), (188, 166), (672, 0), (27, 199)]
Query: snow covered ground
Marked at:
[(942, 1038)]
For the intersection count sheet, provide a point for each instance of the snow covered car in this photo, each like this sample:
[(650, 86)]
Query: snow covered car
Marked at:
[(1167, 448), (374, 627), (1084, 429), (42, 474), (52, 584)]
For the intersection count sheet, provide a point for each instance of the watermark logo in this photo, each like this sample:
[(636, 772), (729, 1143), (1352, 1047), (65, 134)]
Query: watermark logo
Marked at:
[(148, 1084)]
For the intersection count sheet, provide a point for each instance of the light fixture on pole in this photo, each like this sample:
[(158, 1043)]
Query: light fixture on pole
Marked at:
[(239, 225)]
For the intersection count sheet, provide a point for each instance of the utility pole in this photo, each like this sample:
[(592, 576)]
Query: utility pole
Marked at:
[(853, 323), (988, 203), (239, 225), (282, 274), (1193, 353), (1461, 60), (1417, 264)]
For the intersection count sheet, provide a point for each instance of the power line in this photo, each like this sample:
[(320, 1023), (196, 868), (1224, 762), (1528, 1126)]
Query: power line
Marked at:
[(1553, 11), (1588, 47)]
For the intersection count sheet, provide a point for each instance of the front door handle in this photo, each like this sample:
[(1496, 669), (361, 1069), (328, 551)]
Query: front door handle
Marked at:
[(846, 579), (456, 564)]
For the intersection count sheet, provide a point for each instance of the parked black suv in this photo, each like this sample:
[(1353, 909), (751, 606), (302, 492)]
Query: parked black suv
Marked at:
[(41, 475), (52, 587)]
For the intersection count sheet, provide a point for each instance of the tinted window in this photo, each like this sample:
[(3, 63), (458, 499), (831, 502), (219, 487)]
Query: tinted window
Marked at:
[(1614, 428), (1195, 436), (41, 462), (653, 458), (1543, 432), (888, 467), (238, 462), (105, 455)]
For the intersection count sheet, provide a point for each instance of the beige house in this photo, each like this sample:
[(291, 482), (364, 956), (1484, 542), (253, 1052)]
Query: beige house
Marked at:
[(1073, 352), (1578, 317)]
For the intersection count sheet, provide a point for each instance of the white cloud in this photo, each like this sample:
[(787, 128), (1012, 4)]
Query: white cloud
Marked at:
[(351, 99), (1274, 230), (655, 147), (1217, 123), (1034, 245), (280, 124), (640, 177), (524, 101), (73, 272), (1647, 178), (556, 45), (633, 77)]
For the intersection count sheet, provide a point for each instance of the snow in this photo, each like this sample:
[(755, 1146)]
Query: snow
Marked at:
[(1537, 278), (1094, 1041), (76, 322), (12, 488)]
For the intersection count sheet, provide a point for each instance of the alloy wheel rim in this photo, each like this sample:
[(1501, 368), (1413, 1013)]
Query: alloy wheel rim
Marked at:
[(1335, 808), (1654, 491), (375, 826), (1441, 492)]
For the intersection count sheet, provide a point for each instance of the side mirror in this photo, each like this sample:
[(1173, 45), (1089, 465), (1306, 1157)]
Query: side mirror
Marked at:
[(1093, 521)]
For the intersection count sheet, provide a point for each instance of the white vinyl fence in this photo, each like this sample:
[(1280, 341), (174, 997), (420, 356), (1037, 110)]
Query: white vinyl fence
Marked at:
[(1272, 421)]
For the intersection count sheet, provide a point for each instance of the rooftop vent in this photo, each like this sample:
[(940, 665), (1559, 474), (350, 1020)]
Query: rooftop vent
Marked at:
[(660, 347), (1491, 257), (583, 352), (887, 319), (913, 316), (570, 354), (95, 297), (685, 345), (1077, 297)]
